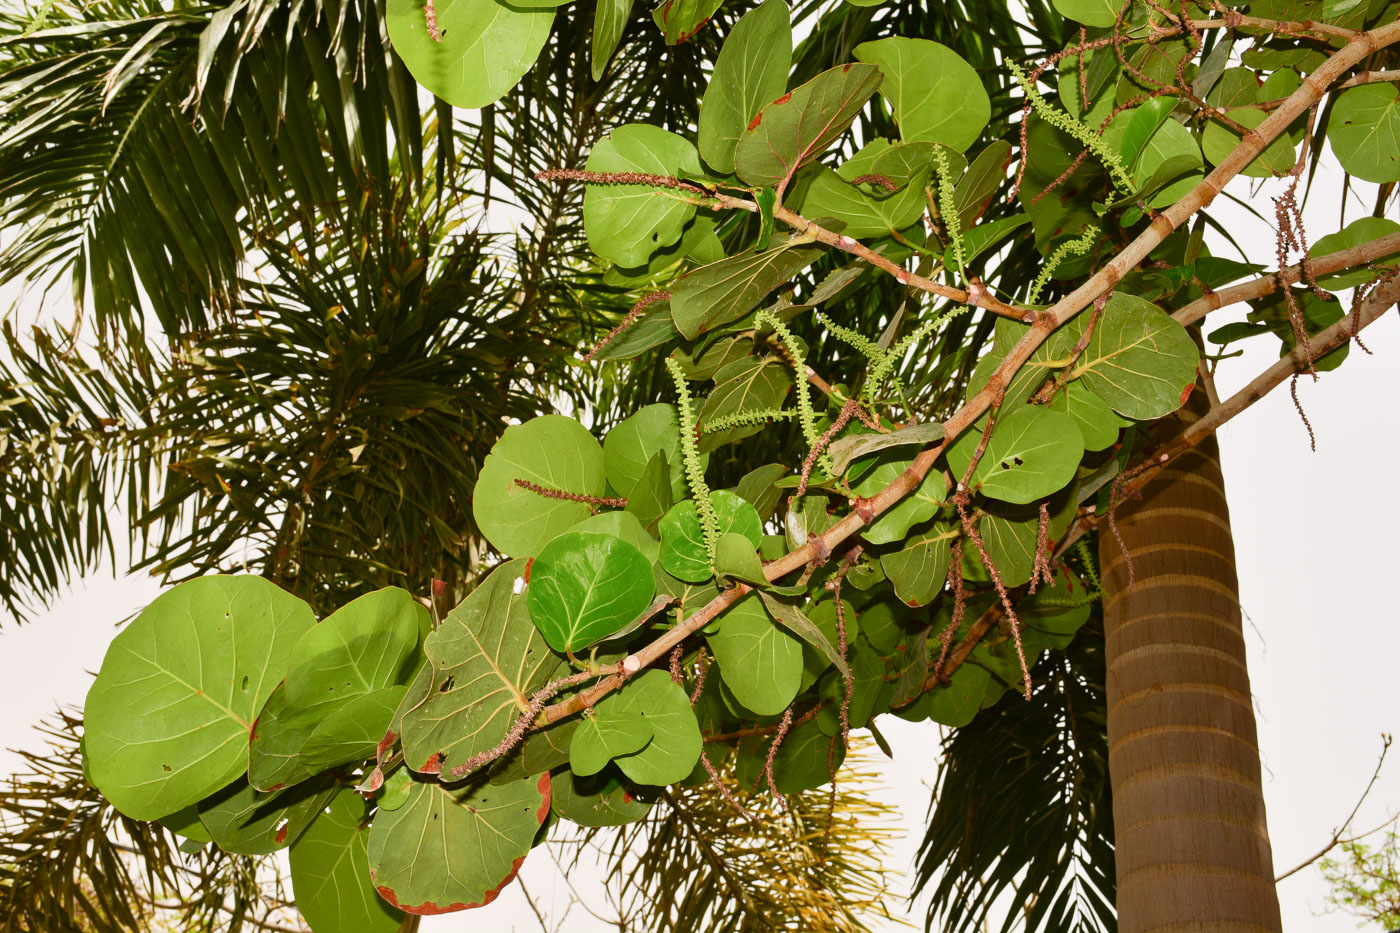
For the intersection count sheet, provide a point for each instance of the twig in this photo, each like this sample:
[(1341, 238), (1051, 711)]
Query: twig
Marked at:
[(1337, 839)]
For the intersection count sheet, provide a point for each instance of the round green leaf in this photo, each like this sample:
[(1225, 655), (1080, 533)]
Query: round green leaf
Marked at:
[(330, 872), (806, 759), (601, 738), (274, 747), (352, 732), (760, 663), (627, 223), (683, 551), (394, 793), (919, 506), (485, 46), (1218, 141), (937, 97), (168, 717), (1139, 360), (487, 659), (452, 849), (674, 748), (1089, 12), (1096, 420), (956, 704), (552, 452), (585, 587), (1032, 453), (751, 70), (596, 801), (1365, 132), (624, 525), (366, 645), (920, 569), (629, 447)]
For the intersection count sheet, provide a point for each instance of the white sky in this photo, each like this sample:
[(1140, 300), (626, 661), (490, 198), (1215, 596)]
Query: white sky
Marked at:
[(1314, 535)]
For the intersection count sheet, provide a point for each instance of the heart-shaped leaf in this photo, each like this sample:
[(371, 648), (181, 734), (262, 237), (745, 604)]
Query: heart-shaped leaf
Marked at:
[(551, 452), (488, 658), (799, 126), (168, 717), (452, 849), (751, 70), (627, 223), (683, 551), (482, 49), (937, 97), (585, 587), (330, 872)]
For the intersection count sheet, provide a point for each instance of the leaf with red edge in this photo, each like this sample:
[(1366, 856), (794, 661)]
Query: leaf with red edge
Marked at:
[(449, 849), (800, 125)]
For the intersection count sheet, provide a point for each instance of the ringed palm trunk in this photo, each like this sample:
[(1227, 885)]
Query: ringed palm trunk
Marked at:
[(1193, 852)]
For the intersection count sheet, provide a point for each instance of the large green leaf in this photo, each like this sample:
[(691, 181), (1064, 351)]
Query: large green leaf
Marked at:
[(1365, 132), (635, 440), (1359, 231), (244, 821), (956, 704), (674, 748), (919, 506), (937, 97), (683, 551), (864, 211), (807, 759), (585, 587), (276, 740), (552, 452), (604, 735), (919, 570), (366, 645), (797, 127), (596, 801), (760, 663), (747, 384), (330, 872), (751, 70), (1139, 360), (727, 290), (483, 49), (678, 20), (1089, 12), (451, 849), (1032, 453), (488, 658), (627, 223), (1097, 422), (168, 717), (353, 732), (609, 19), (1218, 141)]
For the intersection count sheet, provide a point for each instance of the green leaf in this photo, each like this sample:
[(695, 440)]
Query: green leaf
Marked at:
[(366, 645), (747, 384), (635, 440), (797, 127), (451, 849), (919, 506), (652, 495), (761, 664), (919, 570), (736, 557), (1218, 141), (683, 551), (353, 732), (1139, 360), (974, 191), (766, 199), (627, 223), (1032, 453), (937, 97), (727, 290), (1096, 420), (604, 735), (485, 48), (488, 658), (1089, 12), (624, 525), (751, 70), (652, 329), (394, 793), (1365, 132), (791, 618), (955, 704), (330, 872), (807, 759), (1359, 231), (274, 747), (986, 235), (550, 451), (169, 714), (846, 449), (757, 487), (596, 801), (244, 821), (585, 587), (678, 20), (674, 748), (542, 750), (609, 19), (185, 824), (863, 213), (1010, 536)]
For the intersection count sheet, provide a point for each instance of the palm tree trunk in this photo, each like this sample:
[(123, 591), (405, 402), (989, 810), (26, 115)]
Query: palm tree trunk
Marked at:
[(1193, 849)]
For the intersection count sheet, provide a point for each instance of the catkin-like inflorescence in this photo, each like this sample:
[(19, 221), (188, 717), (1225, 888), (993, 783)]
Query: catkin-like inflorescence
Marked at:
[(690, 453), (1063, 121)]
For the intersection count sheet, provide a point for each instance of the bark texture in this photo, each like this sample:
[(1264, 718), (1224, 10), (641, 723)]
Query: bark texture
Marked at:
[(1193, 852)]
